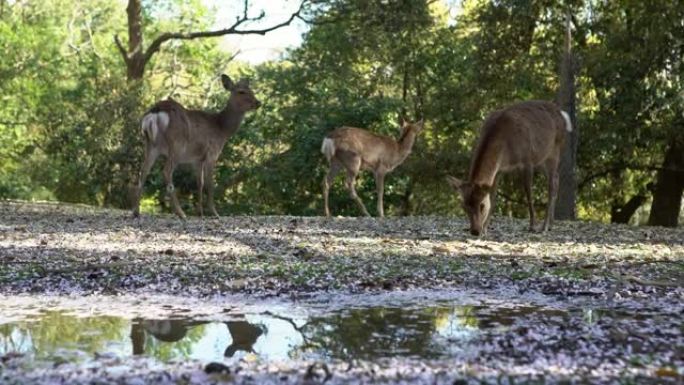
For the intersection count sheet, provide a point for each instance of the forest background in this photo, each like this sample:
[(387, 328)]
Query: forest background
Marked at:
[(72, 98)]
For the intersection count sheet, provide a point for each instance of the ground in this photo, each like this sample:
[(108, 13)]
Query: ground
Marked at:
[(58, 250)]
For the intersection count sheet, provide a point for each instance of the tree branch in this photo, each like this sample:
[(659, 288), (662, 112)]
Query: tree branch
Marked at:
[(10, 123), (232, 30), (121, 48), (615, 169)]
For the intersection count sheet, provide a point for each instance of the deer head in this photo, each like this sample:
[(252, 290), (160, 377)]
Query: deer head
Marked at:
[(242, 97), (407, 136), (407, 126), (476, 203)]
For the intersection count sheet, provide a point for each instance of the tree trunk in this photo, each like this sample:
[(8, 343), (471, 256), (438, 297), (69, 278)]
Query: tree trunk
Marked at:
[(135, 58), (137, 337), (622, 213), (406, 207), (667, 197), (567, 191)]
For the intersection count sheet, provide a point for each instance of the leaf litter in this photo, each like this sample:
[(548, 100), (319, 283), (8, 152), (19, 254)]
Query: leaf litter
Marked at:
[(59, 250)]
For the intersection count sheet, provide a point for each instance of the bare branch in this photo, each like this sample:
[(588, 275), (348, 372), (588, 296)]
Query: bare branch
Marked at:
[(121, 48), (232, 30)]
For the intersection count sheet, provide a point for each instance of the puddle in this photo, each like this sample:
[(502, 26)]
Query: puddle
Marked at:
[(362, 335), (439, 331)]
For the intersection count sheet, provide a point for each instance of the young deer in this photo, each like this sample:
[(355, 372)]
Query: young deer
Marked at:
[(191, 136), (355, 149), (522, 136)]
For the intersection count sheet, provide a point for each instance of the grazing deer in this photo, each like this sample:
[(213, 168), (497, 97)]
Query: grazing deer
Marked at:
[(522, 136), (192, 136), (355, 149)]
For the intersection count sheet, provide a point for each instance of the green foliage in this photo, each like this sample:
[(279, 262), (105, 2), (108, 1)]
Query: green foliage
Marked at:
[(55, 330), (69, 120)]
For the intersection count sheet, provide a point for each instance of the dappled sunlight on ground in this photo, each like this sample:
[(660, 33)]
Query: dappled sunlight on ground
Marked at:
[(603, 301)]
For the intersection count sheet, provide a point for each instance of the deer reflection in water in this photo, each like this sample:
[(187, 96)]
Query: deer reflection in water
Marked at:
[(243, 334)]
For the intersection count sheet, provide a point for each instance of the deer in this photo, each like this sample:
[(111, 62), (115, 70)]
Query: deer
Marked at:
[(355, 149), (523, 136), (197, 137)]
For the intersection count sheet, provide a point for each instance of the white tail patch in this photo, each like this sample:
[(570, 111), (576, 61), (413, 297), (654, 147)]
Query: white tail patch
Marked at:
[(568, 123), (328, 148), (152, 123)]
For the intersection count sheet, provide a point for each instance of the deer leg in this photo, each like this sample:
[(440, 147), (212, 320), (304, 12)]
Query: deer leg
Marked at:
[(169, 167), (151, 156), (528, 175), (209, 179), (327, 182), (490, 213), (200, 188), (380, 187), (351, 178), (552, 173)]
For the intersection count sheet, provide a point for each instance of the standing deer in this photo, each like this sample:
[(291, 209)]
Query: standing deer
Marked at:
[(355, 149), (522, 136), (192, 136)]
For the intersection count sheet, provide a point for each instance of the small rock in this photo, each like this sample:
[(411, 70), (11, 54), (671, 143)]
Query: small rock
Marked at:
[(216, 367)]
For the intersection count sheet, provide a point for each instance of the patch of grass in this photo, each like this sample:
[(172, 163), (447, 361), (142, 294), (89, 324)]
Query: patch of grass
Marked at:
[(519, 275), (571, 272)]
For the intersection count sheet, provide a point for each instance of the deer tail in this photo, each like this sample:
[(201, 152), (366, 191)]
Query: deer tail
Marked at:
[(568, 122), (152, 123), (328, 148)]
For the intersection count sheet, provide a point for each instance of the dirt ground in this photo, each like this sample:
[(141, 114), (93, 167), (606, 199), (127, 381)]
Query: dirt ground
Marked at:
[(69, 250)]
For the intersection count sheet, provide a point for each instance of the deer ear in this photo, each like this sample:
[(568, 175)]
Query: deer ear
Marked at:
[(455, 182), (227, 83)]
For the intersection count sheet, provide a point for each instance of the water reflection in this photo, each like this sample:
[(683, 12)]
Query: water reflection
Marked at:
[(244, 336), (363, 333)]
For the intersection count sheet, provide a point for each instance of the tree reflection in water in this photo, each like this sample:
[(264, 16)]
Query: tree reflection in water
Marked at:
[(348, 334), (366, 333), (52, 333)]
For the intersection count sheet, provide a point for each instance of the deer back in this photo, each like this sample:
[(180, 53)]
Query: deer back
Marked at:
[(372, 148), (525, 134)]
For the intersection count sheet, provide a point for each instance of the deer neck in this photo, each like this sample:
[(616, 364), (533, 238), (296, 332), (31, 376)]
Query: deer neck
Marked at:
[(486, 162), (405, 145), (230, 119)]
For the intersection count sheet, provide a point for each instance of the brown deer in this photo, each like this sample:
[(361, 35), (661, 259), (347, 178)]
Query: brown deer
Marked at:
[(191, 136), (520, 137), (356, 149)]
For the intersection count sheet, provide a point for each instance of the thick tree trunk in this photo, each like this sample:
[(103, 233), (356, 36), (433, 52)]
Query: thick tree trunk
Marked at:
[(567, 191), (135, 59), (667, 197)]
